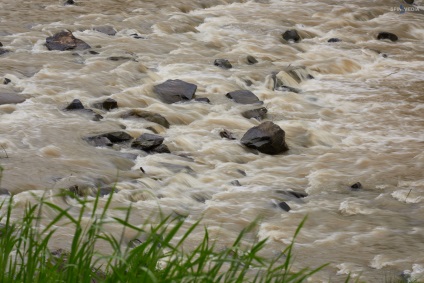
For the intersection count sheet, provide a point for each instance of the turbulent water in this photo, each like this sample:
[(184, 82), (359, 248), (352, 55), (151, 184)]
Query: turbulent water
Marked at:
[(358, 118)]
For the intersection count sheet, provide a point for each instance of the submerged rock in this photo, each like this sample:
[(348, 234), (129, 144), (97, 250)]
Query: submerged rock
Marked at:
[(109, 30), (70, 2), (291, 35), (173, 91), (259, 113), (334, 40), (108, 139), (163, 148), (3, 51), (9, 98), (226, 134), (149, 116), (65, 40), (243, 97), (107, 104), (267, 138), (223, 63), (251, 60), (76, 104), (387, 35), (147, 141)]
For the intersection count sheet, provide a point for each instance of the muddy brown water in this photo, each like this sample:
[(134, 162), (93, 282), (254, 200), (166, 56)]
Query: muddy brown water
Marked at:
[(360, 119)]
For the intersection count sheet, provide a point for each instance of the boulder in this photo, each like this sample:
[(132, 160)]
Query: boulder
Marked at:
[(9, 98), (251, 60), (243, 97), (227, 134), (223, 63), (387, 35), (161, 149), (76, 104), (147, 141), (65, 40), (108, 139), (149, 116), (334, 40), (173, 91), (109, 30), (291, 35), (267, 138), (107, 104), (259, 113)]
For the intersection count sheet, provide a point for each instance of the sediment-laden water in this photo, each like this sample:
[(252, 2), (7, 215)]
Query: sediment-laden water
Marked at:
[(357, 116)]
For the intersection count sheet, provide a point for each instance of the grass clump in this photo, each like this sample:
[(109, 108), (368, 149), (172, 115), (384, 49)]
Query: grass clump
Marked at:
[(25, 254)]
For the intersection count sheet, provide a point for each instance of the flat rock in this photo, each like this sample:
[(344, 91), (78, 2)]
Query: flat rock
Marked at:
[(147, 141), (267, 138), (109, 30), (146, 115), (291, 35), (9, 98), (223, 63), (259, 113), (173, 91), (243, 97), (65, 40), (387, 35)]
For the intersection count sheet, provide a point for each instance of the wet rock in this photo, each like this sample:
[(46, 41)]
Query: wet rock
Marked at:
[(4, 192), (104, 191), (1, 44), (97, 117), (248, 82), (163, 148), (6, 81), (107, 104), (251, 60), (3, 51), (223, 63), (226, 134), (149, 116), (202, 99), (70, 2), (120, 58), (109, 30), (284, 206), (334, 39), (410, 2), (243, 97), (291, 35), (242, 172), (267, 138), (108, 139), (298, 194), (235, 183), (279, 85), (136, 36), (356, 187), (177, 168), (259, 113), (387, 35), (9, 98), (173, 91), (76, 104), (65, 40), (93, 52), (147, 141)]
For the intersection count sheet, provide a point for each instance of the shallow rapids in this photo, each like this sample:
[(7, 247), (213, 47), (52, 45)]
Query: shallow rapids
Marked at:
[(354, 112)]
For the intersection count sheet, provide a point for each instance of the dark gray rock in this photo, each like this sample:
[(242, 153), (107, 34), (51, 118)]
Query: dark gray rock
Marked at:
[(243, 97), (279, 85), (1, 44), (99, 141), (356, 187), (251, 60), (104, 191), (108, 139), (177, 168), (107, 104), (120, 58), (202, 99), (70, 2), (3, 51), (267, 138), (227, 134), (65, 40), (109, 30), (334, 40), (76, 104), (235, 183), (259, 113), (163, 148), (298, 194), (387, 35), (410, 2), (147, 141), (149, 116), (248, 82), (4, 192), (6, 81), (291, 35), (223, 63), (173, 91), (9, 98), (284, 206)]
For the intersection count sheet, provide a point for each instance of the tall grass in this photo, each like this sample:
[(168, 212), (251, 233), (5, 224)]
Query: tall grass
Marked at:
[(25, 254)]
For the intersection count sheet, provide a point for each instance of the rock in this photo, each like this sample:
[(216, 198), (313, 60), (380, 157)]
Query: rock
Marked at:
[(387, 35), (109, 30), (9, 98), (173, 91), (65, 40), (284, 206), (163, 148), (298, 194), (177, 168), (103, 191), (149, 116), (108, 139), (279, 85), (291, 35), (93, 52), (227, 134), (6, 81), (70, 2), (334, 40), (267, 138), (120, 58), (251, 60), (243, 97), (202, 99), (1, 44), (259, 113), (223, 63), (147, 141), (410, 2), (4, 192), (356, 187), (235, 183), (3, 51), (76, 104), (248, 82), (107, 104)]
